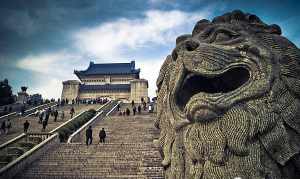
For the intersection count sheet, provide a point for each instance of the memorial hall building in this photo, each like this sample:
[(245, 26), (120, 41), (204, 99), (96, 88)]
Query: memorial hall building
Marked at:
[(107, 80)]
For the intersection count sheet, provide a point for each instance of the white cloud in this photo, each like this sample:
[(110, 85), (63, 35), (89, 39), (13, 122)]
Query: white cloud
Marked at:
[(52, 69), (113, 39), (110, 42)]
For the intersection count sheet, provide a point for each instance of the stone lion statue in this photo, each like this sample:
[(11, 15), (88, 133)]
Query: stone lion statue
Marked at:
[(228, 102)]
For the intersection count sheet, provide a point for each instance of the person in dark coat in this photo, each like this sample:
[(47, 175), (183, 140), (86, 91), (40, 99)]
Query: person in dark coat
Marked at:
[(132, 103), (139, 109), (89, 136), (44, 123), (134, 110), (47, 116), (127, 112), (8, 125), (41, 116), (55, 115), (102, 135), (72, 111), (26, 126), (3, 126)]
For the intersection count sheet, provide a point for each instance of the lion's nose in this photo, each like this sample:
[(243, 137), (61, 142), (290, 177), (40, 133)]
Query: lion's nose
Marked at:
[(191, 45)]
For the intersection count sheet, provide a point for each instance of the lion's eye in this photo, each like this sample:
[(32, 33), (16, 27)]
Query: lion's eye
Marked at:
[(220, 37), (223, 36)]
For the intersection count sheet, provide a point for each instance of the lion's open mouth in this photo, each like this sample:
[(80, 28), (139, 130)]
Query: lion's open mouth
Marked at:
[(193, 84)]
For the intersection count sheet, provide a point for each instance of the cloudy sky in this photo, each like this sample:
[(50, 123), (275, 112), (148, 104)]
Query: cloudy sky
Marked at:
[(43, 41)]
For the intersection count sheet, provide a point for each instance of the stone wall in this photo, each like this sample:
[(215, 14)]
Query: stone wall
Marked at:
[(139, 89), (106, 79), (70, 89), (109, 94)]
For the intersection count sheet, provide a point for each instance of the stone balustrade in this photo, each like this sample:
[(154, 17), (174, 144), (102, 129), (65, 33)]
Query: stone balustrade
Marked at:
[(10, 170)]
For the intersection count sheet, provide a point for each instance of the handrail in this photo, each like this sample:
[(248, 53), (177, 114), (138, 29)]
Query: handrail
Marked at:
[(26, 155), (113, 108), (40, 106), (12, 140), (14, 113), (54, 130), (91, 121), (6, 115), (101, 107), (84, 126)]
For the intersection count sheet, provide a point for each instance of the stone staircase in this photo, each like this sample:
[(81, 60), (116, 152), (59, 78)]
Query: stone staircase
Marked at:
[(129, 152)]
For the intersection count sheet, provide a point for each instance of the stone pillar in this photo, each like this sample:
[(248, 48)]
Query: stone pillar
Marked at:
[(22, 96), (139, 89), (70, 90)]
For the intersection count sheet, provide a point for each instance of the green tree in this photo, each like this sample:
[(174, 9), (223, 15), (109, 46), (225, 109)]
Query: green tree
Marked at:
[(6, 96)]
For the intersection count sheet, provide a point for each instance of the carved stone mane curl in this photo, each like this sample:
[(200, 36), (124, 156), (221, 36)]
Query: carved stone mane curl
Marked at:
[(228, 101)]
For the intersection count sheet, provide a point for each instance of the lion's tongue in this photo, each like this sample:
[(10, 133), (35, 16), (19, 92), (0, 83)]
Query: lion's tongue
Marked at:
[(198, 111)]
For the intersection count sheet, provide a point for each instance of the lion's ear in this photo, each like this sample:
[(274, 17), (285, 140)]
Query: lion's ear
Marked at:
[(290, 69), (274, 29), (289, 59), (182, 38)]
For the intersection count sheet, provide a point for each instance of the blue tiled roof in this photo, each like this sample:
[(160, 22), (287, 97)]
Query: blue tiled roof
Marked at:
[(110, 87), (109, 69)]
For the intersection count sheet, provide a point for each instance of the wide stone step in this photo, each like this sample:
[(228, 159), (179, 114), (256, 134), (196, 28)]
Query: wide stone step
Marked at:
[(129, 152)]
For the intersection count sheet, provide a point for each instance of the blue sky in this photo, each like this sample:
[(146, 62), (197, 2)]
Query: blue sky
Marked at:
[(43, 41)]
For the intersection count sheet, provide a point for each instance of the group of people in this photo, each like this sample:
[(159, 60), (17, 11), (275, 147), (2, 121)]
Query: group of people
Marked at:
[(43, 118), (89, 136), (134, 109), (85, 101), (45, 114), (5, 126)]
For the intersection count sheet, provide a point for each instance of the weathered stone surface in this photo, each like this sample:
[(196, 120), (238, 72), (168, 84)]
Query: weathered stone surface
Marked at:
[(228, 102)]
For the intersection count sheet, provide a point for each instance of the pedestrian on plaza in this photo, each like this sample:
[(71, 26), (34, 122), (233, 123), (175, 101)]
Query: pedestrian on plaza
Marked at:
[(102, 135), (8, 126), (47, 116), (134, 110), (41, 116), (132, 103), (26, 126), (145, 106), (3, 126), (139, 109), (62, 116), (127, 112), (55, 115), (44, 123), (72, 111), (89, 136)]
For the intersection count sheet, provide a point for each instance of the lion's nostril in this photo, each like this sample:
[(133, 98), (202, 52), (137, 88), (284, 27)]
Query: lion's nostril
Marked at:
[(191, 45)]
